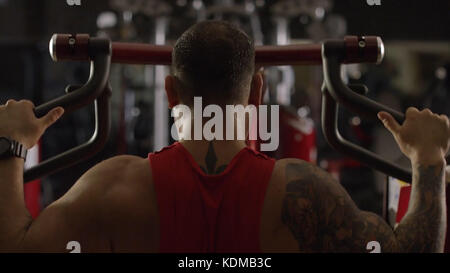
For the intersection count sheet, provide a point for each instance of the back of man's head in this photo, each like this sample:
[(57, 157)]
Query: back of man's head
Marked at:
[(214, 60)]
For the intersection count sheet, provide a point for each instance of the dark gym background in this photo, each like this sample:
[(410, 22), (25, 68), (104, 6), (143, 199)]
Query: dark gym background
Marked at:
[(414, 72)]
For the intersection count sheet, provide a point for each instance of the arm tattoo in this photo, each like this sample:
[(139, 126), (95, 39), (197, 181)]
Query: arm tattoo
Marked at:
[(211, 161), (323, 218), (299, 211), (423, 227), (330, 215)]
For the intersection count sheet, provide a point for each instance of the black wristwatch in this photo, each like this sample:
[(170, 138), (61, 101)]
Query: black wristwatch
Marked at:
[(10, 148)]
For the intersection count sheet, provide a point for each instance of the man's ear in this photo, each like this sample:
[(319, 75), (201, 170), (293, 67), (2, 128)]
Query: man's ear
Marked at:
[(172, 94), (255, 97)]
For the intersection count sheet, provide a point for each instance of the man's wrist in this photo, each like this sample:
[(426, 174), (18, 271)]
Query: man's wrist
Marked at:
[(12, 165), (13, 159), (431, 157), (18, 138)]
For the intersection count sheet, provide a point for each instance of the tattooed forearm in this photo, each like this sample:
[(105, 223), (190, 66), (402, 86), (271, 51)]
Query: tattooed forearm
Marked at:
[(423, 227), (323, 218), (211, 161)]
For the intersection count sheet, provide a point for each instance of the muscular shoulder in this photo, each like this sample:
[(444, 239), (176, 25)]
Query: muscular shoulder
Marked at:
[(112, 179), (117, 171), (105, 202), (129, 203), (294, 173), (321, 215), (311, 200), (312, 186), (293, 204)]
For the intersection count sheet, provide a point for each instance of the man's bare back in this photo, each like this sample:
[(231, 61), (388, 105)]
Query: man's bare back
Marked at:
[(113, 208)]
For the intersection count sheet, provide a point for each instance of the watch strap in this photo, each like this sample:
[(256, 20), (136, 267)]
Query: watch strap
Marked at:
[(19, 150)]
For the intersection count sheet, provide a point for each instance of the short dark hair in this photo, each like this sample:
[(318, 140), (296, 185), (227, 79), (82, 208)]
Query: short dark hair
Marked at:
[(214, 60)]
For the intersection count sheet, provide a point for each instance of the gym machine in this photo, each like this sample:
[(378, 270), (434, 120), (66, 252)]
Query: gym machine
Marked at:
[(101, 52)]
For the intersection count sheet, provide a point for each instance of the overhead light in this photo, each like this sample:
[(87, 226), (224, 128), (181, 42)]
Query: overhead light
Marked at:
[(107, 19)]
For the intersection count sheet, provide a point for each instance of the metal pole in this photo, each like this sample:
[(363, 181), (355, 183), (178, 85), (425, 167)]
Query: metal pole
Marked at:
[(161, 117)]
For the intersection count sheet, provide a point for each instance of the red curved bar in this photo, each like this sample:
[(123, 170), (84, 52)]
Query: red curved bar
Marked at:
[(134, 53), (302, 54), (358, 49)]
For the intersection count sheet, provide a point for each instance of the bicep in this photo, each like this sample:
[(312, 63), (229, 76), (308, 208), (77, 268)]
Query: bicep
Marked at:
[(62, 223), (323, 217)]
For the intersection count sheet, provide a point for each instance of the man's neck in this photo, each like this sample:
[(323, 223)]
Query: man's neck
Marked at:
[(213, 156)]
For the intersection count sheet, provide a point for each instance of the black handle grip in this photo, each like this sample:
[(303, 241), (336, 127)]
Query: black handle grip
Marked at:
[(81, 152), (334, 92), (96, 90), (330, 110), (332, 54), (100, 64)]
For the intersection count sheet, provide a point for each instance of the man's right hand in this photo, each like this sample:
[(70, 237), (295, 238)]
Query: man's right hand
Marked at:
[(423, 137)]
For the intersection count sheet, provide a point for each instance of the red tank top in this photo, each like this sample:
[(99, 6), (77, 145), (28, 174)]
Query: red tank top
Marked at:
[(209, 213)]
